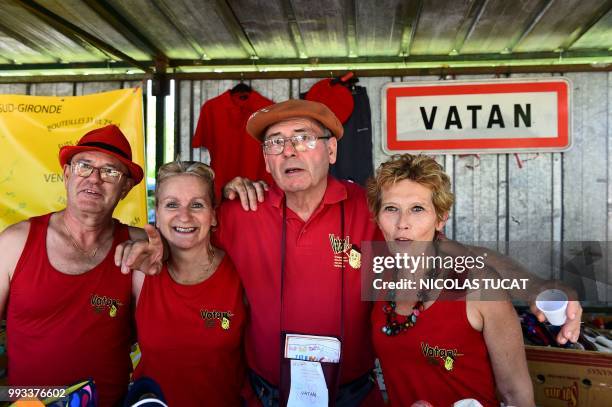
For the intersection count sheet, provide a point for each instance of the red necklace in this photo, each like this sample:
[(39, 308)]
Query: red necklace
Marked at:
[(396, 326)]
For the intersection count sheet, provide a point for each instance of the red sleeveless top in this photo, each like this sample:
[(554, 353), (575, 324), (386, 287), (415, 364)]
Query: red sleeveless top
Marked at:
[(63, 328), (190, 337), (441, 359)]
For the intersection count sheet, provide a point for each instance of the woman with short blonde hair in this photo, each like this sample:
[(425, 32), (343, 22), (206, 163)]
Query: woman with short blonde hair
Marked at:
[(432, 350), (190, 319)]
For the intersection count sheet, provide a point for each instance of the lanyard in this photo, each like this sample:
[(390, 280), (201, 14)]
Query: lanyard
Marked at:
[(282, 287)]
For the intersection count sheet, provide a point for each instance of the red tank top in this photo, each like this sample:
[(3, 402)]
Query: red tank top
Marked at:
[(63, 328), (441, 359), (190, 337)]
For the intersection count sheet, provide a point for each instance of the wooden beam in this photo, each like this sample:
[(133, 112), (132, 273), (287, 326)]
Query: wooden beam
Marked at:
[(500, 70), (351, 28), (67, 33), (6, 60), (65, 66), (25, 41), (72, 78), (294, 29), (116, 20), (580, 31), (270, 63), (83, 37), (411, 13), (475, 58), (175, 21), (470, 20), (231, 21), (530, 26)]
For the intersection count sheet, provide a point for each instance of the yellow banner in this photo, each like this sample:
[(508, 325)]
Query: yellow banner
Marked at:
[(32, 130)]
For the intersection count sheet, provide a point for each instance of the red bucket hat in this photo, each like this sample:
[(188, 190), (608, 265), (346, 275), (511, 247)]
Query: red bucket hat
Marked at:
[(109, 140)]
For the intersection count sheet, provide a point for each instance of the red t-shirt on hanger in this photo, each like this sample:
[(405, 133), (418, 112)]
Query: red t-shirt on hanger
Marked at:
[(222, 130)]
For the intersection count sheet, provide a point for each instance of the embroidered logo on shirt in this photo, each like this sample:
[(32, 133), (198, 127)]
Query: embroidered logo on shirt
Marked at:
[(211, 317), (343, 250), (440, 356), (101, 303)]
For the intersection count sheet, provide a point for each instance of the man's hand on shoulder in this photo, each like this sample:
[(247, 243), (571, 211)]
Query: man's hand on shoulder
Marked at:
[(143, 252), (249, 192)]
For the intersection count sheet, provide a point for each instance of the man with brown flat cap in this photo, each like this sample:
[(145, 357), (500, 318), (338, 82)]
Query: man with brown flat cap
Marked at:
[(292, 256), (69, 307)]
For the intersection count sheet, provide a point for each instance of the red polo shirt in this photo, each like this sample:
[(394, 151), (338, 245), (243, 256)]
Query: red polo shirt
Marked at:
[(312, 275), (222, 130)]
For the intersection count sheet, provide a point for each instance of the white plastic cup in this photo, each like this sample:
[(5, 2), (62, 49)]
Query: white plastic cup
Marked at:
[(553, 304)]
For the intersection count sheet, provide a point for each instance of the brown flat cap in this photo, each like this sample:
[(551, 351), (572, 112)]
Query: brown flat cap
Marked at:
[(293, 108)]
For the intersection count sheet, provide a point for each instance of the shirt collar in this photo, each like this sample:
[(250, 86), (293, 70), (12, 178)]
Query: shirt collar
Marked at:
[(248, 103)]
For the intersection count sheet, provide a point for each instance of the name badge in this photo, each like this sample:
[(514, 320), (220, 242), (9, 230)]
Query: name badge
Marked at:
[(312, 348)]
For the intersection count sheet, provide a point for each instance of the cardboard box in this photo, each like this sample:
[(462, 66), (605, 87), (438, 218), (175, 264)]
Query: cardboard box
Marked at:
[(570, 378)]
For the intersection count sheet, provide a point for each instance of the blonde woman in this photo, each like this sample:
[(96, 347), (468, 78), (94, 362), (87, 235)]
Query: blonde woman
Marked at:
[(434, 350), (190, 318)]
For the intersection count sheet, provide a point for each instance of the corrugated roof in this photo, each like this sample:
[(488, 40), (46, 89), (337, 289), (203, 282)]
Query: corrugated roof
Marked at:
[(207, 33)]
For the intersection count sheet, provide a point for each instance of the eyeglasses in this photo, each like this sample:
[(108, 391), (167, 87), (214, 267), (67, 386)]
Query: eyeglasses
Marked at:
[(110, 175), (301, 142)]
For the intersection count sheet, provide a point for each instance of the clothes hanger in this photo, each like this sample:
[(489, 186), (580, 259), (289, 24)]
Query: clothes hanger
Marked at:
[(242, 88), (349, 80), (343, 78)]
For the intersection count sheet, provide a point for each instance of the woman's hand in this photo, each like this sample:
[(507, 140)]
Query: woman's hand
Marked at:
[(508, 268), (571, 329)]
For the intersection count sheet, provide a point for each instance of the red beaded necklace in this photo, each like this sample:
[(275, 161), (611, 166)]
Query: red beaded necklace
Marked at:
[(394, 325)]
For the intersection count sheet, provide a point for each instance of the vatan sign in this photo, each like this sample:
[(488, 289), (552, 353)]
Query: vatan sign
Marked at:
[(32, 130), (494, 116)]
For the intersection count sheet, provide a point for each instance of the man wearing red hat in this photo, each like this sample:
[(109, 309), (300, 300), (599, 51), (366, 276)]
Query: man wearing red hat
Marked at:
[(69, 307)]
